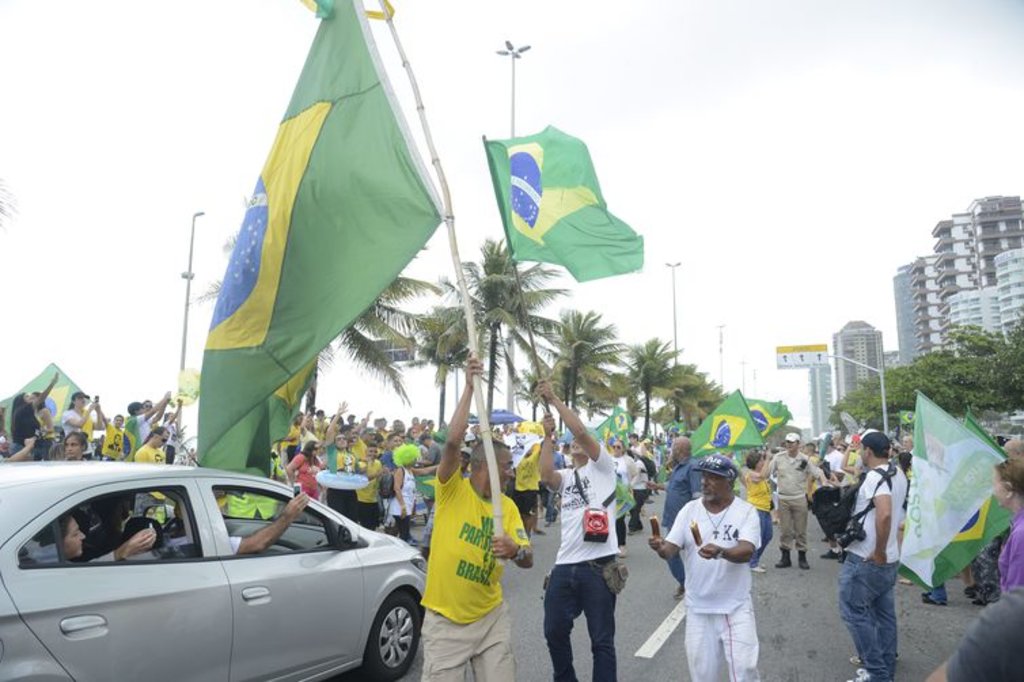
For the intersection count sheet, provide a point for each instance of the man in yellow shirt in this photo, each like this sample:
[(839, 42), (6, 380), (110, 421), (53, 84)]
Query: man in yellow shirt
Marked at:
[(466, 619), (152, 452), (527, 483)]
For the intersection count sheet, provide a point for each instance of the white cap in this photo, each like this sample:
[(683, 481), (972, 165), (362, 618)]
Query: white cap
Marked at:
[(792, 438)]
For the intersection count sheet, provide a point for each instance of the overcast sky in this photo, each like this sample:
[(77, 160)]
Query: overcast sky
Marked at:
[(791, 154)]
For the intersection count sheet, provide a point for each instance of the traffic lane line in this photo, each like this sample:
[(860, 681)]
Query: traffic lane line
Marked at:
[(658, 638)]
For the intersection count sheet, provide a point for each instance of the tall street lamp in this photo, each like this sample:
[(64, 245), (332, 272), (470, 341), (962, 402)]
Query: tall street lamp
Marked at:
[(880, 371), (188, 275), (675, 323), (513, 53)]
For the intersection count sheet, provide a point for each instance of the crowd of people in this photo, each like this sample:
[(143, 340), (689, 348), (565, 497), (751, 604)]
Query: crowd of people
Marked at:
[(718, 515)]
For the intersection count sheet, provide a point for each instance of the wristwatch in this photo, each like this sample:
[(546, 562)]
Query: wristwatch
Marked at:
[(520, 555)]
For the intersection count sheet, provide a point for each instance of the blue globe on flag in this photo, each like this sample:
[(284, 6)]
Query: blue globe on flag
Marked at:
[(760, 420), (244, 267), (723, 435), (526, 189)]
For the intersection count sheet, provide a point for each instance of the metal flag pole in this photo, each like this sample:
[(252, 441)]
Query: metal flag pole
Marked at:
[(467, 305)]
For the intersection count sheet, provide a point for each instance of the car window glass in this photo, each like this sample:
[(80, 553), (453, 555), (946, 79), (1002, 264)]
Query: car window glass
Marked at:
[(246, 511), (117, 527)]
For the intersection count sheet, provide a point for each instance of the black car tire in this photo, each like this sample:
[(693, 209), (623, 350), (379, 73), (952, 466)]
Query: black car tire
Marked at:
[(395, 629)]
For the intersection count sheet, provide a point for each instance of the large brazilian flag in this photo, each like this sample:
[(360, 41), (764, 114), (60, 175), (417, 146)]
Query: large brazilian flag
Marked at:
[(553, 210), (342, 205), (730, 427)]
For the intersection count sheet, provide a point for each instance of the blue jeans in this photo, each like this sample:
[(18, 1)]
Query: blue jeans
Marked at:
[(574, 589), (867, 606), (551, 510), (766, 535)]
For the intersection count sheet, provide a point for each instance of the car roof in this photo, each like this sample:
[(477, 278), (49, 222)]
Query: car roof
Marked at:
[(78, 475)]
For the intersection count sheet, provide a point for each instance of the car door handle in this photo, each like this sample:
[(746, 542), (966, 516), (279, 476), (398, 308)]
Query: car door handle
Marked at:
[(256, 594), (78, 625)]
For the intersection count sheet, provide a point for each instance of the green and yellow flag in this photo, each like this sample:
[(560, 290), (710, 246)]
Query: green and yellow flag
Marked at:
[(552, 208), (729, 427), (951, 514), (768, 416), (619, 424), (341, 207), (57, 401)]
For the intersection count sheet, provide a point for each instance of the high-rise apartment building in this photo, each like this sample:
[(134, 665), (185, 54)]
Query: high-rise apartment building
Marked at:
[(1010, 287), (861, 342), (924, 288), (903, 292), (820, 380), (976, 308), (966, 247)]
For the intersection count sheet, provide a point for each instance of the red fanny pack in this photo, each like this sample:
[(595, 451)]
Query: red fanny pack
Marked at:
[(596, 525)]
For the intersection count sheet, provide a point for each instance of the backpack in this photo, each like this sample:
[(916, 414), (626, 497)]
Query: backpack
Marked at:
[(386, 484), (652, 471), (834, 507)]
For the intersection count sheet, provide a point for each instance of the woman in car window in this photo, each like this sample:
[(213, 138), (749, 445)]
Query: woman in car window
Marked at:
[(304, 468), (72, 537)]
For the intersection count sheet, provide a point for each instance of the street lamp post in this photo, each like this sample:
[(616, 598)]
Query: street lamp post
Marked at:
[(513, 53), (188, 275), (675, 324), (721, 357), (880, 371)]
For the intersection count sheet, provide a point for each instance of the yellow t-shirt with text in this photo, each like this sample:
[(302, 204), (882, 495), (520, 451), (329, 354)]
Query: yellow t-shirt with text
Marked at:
[(528, 471), (369, 494), (463, 576), (150, 455)]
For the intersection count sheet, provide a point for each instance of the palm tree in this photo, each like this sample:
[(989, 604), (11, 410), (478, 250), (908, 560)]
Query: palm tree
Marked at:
[(382, 326), (6, 204), (585, 353), (441, 342), (650, 367), (499, 305), (693, 396)]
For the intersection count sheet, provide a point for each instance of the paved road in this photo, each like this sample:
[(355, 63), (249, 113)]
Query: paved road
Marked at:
[(802, 637)]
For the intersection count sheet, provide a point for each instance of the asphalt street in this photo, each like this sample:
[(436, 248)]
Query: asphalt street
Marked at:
[(802, 637)]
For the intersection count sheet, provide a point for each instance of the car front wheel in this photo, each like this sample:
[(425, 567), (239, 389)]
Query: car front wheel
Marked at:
[(394, 636)]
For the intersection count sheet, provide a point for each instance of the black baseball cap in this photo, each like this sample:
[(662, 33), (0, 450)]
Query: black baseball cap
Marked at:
[(877, 442), (718, 465)]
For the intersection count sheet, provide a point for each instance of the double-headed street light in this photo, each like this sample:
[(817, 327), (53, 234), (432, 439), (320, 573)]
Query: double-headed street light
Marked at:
[(513, 53)]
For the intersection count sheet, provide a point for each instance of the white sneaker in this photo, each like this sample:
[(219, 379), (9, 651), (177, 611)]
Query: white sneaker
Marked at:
[(758, 569), (862, 676), (856, 661)]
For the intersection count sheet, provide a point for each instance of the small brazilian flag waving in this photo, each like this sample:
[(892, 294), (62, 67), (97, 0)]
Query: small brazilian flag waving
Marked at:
[(906, 418), (768, 416), (729, 427), (342, 205), (552, 208), (619, 424)]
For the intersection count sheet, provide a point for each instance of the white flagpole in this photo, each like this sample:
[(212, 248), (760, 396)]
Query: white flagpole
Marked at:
[(467, 305)]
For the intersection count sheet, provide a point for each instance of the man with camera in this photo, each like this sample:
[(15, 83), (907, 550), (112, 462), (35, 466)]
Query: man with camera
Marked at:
[(868, 576), (793, 471), (586, 576)]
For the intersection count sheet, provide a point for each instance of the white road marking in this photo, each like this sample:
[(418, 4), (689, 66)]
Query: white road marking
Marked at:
[(661, 635)]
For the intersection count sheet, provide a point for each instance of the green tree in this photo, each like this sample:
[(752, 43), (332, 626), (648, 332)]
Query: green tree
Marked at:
[(586, 352), (691, 397), (650, 367), (441, 343), (500, 307)]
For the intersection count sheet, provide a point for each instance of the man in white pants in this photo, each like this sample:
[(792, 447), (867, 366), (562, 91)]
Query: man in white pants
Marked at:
[(720, 628)]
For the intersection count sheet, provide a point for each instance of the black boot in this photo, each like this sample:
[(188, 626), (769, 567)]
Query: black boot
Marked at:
[(802, 560), (786, 562)]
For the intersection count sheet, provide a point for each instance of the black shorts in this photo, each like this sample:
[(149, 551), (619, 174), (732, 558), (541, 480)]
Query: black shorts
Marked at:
[(526, 502)]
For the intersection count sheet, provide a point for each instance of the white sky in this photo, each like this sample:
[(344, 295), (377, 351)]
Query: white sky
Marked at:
[(791, 154)]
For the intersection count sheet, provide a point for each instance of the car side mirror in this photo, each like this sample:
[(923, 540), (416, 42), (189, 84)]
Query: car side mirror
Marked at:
[(343, 538)]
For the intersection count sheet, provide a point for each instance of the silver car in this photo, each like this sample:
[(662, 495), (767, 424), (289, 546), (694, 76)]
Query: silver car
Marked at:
[(327, 596)]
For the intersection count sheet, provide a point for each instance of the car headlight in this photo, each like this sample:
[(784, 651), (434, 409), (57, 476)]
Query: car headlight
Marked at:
[(420, 563)]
